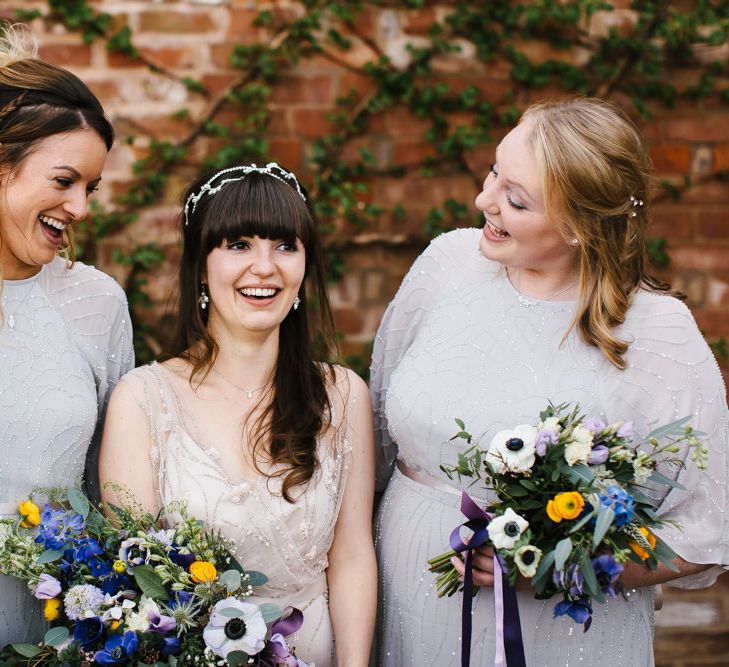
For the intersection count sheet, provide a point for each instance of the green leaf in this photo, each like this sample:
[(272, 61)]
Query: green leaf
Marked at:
[(460, 424), (543, 569), (56, 636), (149, 582), (660, 478), (26, 650), (49, 555), (578, 473), (256, 578), (590, 579), (270, 612), (665, 554), (528, 484), (230, 612), (604, 521), (237, 658), (79, 502), (668, 429), (562, 552), (581, 522), (231, 579)]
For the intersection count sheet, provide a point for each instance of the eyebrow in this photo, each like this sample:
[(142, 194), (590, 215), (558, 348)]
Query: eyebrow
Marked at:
[(76, 173)]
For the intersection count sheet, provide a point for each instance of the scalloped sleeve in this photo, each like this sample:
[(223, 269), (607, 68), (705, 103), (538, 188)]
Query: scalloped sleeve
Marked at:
[(672, 373), (438, 269)]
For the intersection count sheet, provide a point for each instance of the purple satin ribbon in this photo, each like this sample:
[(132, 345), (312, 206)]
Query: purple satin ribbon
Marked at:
[(509, 644), (290, 621)]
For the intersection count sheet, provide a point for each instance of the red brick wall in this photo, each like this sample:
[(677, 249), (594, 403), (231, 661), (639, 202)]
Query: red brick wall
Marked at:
[(195, 38)]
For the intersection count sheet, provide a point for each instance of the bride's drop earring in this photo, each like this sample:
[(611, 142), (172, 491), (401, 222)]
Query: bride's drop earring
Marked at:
[(297, 301), (203, 300)]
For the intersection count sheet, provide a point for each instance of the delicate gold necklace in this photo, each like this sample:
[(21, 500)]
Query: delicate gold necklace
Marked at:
[(248, 392), (528, 303), (11, 316)]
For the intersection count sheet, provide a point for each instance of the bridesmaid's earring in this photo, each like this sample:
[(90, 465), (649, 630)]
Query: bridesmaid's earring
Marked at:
[(203, 299), (575, 242), (297, 301)]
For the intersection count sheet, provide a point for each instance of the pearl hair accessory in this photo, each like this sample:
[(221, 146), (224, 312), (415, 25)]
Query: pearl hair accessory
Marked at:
[(635, 203), (271, 169)]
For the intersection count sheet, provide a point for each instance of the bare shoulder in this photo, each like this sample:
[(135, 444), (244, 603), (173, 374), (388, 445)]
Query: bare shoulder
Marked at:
[(347, 383)]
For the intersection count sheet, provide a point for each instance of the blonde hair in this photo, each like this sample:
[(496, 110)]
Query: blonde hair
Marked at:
[(592, 160)]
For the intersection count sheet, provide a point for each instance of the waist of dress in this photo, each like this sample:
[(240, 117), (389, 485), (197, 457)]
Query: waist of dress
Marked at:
[(426, 479), (300, 599)]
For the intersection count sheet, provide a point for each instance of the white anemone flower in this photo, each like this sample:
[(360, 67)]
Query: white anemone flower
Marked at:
[(512, 450), (242, 631), (505, 530), (527, 559)]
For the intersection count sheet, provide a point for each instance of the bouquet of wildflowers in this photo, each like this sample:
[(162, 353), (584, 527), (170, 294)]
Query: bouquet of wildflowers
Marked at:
[(128, 591), (572, 508)]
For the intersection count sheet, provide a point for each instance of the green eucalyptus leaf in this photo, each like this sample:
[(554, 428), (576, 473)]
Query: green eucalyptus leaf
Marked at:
[(49, 556), (26, 650), (270, 612), (562, 551), (256, 578), (231, 579), (602, 524), (237, 658), (79, 502), (56, 636), (230, 612)]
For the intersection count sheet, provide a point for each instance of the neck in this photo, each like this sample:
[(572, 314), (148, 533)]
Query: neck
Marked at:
[(18, 271), (561, 284)]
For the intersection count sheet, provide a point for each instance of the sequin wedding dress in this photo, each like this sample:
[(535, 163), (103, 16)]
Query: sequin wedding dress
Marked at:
[(64, 342), (459, 342), (287, 542)]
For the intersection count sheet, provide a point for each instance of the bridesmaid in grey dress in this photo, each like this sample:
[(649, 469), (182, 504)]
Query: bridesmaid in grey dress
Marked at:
[(65, 334), (549, 301)]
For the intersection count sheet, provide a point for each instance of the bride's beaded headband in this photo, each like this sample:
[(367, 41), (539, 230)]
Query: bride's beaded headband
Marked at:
[(271, 169)]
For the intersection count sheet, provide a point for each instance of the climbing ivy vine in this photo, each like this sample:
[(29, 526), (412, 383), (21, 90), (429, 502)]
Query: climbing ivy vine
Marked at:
[(633, 61)]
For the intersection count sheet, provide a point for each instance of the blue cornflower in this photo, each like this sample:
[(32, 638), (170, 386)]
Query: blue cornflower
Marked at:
[(118, 649), (621, 502), (607, 572), (579, 610), (85, 549), (57, 527), (88, 631)]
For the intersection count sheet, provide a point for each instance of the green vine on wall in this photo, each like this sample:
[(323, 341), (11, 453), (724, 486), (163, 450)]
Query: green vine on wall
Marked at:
[(628, 61)]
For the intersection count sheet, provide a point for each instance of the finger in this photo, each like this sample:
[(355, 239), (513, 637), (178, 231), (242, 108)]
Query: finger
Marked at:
[(483, 563), (458, 565), (482, 578)]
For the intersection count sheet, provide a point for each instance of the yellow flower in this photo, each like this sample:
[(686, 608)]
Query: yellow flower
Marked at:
[(114, 624), (202, 571), (639, 550), (30, 513), (566, 505), (52, 609), (119, 566)]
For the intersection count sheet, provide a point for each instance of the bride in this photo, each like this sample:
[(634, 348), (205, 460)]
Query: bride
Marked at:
[(266, 442)]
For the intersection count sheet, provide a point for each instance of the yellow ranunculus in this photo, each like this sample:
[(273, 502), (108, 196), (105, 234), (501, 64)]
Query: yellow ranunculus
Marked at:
[(202, 571), (114, 624), (567, 505), (30, 513), (52, 609), (119, 566), (639, 550)]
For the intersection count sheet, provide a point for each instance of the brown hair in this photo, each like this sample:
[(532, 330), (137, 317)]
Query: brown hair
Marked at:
[(38, 100), (595, 173), (297, 409)]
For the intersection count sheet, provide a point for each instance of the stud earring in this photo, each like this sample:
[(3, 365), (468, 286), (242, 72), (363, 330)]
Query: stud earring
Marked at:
[(203, 300), (575, 242), (297, 301)]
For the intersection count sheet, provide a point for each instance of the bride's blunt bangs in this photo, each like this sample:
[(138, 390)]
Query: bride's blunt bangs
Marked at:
[(257, 205)]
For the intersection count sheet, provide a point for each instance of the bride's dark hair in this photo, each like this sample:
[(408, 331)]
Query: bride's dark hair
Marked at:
[(296, 410)]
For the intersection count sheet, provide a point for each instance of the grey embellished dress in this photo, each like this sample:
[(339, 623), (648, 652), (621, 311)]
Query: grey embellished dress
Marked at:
[(64, 342), (459, 341)]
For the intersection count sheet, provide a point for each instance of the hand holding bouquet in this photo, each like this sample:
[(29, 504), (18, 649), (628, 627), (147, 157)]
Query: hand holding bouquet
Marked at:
[(132, 592), (572, 507)]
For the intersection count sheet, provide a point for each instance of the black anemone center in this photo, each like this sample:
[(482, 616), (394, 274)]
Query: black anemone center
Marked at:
[(117, 652), (511, 529), (514, 444), (603, 578), (235, 628), (528, 557)]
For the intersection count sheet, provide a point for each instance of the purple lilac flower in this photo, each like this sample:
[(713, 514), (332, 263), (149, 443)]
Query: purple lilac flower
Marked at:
[(571, 580), (621, 502), (579, 610), (598, 455), (48, 587), (607, 572), (626, 430), (594, 425), (160, 623), (118, 649), (544, 439)]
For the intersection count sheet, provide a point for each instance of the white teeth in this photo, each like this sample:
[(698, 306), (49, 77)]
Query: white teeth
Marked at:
[(52, 222), (258, 291), (497, 231)]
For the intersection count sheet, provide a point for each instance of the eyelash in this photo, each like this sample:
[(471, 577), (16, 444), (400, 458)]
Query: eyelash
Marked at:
[(66, 183), (512, 203), (244, 245)]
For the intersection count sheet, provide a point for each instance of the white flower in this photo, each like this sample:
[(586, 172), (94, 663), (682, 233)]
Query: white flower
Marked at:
[(642, 467), (527, 559), (512, 450), (83, 601), (550, 424), (139, 620), (506, 529), (5, 532), (579, 447), (243, 631)]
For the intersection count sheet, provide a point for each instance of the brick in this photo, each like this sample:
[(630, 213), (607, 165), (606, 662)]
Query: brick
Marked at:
[(713, 223), (217, 83), (704, 257), (418, 21), (674, 158), (410, 153), (401, 122), (287, 152), (721, 157), (705, 193), (357, 55), (174, 57), (348, 320), (310, 123), (240, 23), (309, 90), (176, 22), (116, 59), (353, 81), (66, 55), (671, 221), (697, 127)]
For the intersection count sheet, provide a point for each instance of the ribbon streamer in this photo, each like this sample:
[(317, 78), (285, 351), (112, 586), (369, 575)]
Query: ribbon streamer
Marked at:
[(509, 644)]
